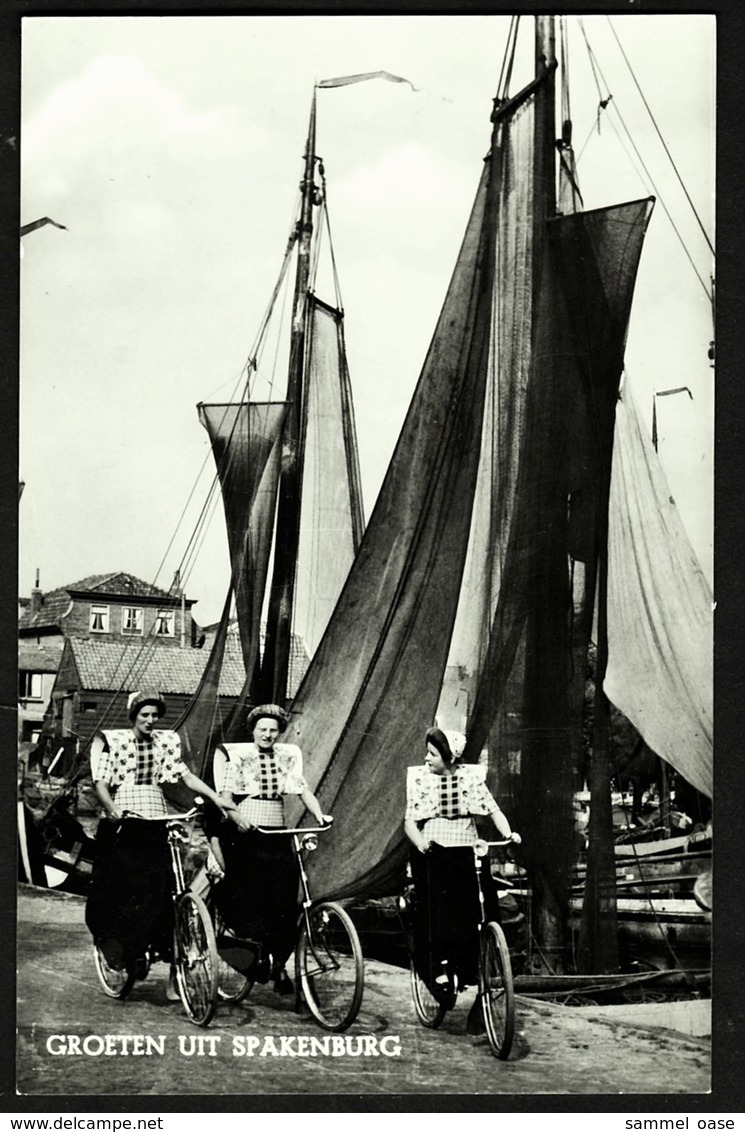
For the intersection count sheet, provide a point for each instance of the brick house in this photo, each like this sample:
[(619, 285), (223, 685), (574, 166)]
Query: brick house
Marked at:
[(95, 677), (108, 607), (102, 609), (113, 634)]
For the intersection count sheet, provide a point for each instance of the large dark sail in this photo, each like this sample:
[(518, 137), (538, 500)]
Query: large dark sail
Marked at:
[(523, 706), (555, 360), (373, 685)]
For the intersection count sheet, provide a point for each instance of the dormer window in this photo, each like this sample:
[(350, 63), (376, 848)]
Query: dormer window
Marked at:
[(165, 623), (99, 621), (29, 685), (132, 620)]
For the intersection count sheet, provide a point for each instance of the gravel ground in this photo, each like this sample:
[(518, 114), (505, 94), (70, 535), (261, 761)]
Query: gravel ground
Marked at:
[(557, 1051)]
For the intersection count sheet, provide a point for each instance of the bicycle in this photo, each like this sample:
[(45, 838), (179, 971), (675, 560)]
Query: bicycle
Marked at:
[(194, 956), (329, 970), (495, 982)]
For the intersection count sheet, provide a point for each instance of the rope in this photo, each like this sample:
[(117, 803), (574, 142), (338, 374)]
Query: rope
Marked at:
[(508, 61), (659, 135), (650, 179)]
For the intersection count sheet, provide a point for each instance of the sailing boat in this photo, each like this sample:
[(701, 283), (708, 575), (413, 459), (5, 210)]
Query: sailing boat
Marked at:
[(267, 453), (491, 527), (290, 480)]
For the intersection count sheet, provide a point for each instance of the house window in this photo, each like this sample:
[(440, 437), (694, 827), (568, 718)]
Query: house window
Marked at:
[(99, 619), (29, 685), (132, 620), (165, 623)]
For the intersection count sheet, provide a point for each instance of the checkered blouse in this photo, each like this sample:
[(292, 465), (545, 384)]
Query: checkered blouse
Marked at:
[(443, 805), (135, 769)]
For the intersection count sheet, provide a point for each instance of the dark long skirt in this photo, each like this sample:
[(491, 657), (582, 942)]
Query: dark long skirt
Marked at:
[(129, 909), (258, 896), (446, 911)]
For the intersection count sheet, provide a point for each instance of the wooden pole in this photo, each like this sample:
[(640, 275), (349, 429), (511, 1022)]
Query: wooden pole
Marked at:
[(276, 663)]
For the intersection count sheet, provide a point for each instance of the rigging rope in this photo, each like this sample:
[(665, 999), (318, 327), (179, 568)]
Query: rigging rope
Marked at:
[(659, 135), (508, 61), (650, 178)]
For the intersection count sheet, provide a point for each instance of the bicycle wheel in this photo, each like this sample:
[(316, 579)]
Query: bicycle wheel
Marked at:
[(195, 958), (116, 983), (429, 1011), (328, 966), (232, 986), (497, 990)]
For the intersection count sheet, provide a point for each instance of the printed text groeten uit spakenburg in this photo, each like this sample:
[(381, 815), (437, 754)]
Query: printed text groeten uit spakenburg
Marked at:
[(209, 1045)]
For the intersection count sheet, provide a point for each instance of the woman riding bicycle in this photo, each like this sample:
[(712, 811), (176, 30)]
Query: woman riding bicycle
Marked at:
[(258, 893), (129, 909), (442, 797)]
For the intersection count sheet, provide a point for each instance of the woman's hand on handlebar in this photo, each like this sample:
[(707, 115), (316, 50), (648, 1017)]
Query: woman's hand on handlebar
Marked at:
[(227, 808), (240, 822), (516, 838)]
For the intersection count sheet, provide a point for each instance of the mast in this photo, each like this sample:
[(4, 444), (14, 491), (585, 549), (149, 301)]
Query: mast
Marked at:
[(275, 667), (546, 742), (545, 128)]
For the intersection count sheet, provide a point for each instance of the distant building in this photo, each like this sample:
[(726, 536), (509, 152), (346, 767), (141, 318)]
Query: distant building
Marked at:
[(107, 607), (84, 647), (95, 678), (38, 662), (104, 609)]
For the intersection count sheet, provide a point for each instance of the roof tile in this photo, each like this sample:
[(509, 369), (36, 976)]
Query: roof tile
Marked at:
[(39, 658), (113, 665)]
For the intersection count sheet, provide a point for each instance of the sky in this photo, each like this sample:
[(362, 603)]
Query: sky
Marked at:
[(171, 149)]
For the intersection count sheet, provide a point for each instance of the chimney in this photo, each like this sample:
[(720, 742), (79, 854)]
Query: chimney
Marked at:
[(36, 597)]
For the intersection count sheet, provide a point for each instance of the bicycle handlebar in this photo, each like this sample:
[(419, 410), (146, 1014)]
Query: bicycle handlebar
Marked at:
[(162, 817), (302, 829)]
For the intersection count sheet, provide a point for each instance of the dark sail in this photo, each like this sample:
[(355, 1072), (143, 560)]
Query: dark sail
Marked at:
[(245, 442), (564, 439), (246, 446), (373, 685)]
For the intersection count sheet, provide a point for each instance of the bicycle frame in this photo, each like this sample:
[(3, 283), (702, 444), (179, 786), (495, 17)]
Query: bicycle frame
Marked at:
[(176, 836), (481, 849), (298, 836), (332, 983)]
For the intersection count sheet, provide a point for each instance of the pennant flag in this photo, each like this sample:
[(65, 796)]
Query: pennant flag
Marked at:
[(345, 80), (26, 228)]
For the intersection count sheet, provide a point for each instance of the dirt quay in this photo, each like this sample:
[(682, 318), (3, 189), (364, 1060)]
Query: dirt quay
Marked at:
[(257, 1048)]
